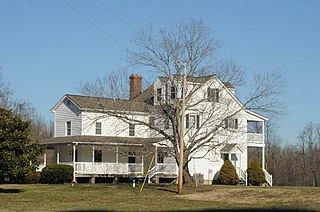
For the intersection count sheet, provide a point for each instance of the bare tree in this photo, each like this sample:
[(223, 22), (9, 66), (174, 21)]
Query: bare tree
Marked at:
[(40, 129), (192, 44), (309, 153)]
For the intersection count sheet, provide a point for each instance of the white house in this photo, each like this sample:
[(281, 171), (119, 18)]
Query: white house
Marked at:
[(116, 138)]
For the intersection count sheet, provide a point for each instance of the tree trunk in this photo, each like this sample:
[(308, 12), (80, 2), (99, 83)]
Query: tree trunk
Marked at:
[(187, 178)]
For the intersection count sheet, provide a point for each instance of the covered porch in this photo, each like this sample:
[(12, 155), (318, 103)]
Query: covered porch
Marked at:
[(101, 156)]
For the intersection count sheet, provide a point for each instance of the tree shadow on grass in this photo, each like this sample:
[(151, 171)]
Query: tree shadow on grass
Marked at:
[(10, 191)]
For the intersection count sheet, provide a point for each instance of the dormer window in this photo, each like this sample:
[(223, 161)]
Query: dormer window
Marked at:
[(173, 92), (159, 94), (213, 95)]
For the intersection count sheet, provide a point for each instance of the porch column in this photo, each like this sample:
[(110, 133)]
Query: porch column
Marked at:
[(263, 148), (74, 163), (58, 155), (156, 164), (117, 155), (45, 159), (263, 157), (142, 170), (92, 157)]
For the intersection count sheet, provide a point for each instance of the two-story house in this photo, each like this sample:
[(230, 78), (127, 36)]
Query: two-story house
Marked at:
[(117, 138)]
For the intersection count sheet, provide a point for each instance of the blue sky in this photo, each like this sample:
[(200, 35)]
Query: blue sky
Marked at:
[(46, 47)]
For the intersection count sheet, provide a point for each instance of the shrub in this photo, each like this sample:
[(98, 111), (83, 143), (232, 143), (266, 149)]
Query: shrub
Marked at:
[(256, 175), (57, 173), (228, 174), (32, 177)]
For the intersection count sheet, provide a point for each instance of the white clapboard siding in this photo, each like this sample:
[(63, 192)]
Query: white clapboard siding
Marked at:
[(67, 111)]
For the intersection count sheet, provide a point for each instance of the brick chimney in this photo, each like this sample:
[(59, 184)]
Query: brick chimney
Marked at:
[(135, 85)]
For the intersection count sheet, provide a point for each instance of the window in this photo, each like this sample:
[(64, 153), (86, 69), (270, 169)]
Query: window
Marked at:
[(173, 92), (225, 157), (213, 95), (160, 157), (68, 128), (76, 156), (254, 127), (98, 128), (159, 93), (131, 129), (98, 156), (231, 123), (192, 121), (132, 157)]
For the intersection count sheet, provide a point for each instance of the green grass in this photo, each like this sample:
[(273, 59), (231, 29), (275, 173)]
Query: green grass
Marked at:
[(153, 198)]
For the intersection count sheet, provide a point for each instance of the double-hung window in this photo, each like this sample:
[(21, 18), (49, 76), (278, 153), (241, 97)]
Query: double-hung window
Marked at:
[(131, 129), (213, 94), (159, 94), (68, 128), (192, 121), (231, 123), (173, 92), (98, 156), (98, 128)]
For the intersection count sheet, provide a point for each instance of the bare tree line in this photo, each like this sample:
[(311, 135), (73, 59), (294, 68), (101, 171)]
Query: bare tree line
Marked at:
[(298, 163)]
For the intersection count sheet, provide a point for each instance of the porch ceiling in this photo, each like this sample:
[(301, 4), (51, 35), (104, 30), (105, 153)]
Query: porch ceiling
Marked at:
[(103, 140)]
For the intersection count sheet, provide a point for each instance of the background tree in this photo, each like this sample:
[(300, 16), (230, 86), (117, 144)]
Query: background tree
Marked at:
[(192, 43), (18, 155)]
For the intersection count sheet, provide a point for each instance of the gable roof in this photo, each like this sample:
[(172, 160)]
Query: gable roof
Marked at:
[(97, 103)]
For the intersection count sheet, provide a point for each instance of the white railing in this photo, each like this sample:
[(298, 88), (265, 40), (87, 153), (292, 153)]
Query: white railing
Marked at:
[(268, 177), (163, 168), (108, 168), (254, 138), (242, 174)]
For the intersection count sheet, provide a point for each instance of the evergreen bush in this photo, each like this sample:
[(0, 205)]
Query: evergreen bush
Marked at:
[(228, 174), (256, 175), (57, 173)]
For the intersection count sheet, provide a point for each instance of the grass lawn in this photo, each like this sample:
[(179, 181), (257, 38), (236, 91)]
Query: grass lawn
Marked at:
[(123, 197)]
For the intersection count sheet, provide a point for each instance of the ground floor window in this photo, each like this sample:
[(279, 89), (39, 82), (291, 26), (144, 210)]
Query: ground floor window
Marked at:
[(225, 157), (98, 156), (132, 157)]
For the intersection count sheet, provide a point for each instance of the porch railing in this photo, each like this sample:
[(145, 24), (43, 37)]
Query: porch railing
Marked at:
[(254, 138), (108, 168), (163, 168), (242, 174), (268, 177)]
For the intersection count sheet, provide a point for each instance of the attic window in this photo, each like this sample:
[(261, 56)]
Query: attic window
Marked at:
[(213, 95), (131, 129), (98, 128)]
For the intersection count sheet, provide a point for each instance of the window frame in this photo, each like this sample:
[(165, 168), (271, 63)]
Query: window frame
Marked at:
[(196, 123), (131, 129), (173, 92), (98, 129), (213, 94), (97, 156), (159, 94), (68, 128)]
